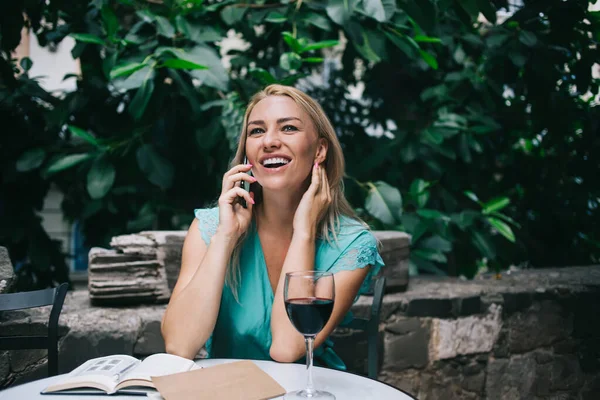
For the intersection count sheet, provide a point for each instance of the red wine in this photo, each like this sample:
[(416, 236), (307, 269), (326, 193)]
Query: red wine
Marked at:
[(309, 314)]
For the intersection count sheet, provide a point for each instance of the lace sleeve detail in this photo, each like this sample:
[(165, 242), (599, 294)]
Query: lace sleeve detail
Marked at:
[(208, 220), (360, 254)]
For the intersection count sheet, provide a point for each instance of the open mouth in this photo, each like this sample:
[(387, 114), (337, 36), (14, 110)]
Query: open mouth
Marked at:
[(275, 162)]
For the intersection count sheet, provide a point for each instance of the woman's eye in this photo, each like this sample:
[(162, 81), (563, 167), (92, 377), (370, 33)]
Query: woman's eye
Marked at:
[(256, 131), (289, 128)]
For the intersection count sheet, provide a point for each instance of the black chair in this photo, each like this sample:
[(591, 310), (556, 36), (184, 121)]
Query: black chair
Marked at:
[(36, 298), (371, 326)]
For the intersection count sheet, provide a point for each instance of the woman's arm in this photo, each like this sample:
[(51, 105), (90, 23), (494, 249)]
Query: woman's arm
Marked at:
[(288, 344), (194, 306)]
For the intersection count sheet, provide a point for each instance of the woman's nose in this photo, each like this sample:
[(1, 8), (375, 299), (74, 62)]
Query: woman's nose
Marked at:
[(271, 138)]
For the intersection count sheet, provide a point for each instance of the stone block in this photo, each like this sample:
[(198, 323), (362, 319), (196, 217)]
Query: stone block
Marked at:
[(7, 273), (511, 379), (468, 335), (406, 344), (21, 359), (440, 308), (351, 346), (514, 302), (465, 306), (150, 340), (33, 372), (407, 380), (591, 388), (4, 366), (560, 374), (99, 332), (540, 325)]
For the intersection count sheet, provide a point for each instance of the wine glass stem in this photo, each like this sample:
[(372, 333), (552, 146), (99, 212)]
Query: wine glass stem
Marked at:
[(309, 363)]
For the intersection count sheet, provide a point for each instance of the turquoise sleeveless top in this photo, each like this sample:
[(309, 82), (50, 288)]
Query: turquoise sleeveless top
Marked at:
[(243, 329)]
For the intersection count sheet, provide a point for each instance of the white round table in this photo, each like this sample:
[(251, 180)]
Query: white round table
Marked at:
[(344, 385)]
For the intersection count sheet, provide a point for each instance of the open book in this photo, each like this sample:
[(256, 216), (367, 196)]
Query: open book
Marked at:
[(119, 373)]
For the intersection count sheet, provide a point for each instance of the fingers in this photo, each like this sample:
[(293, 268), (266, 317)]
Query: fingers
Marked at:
[(324, 186), (230, 196), (235, 175), (238, 169), (315, 180)]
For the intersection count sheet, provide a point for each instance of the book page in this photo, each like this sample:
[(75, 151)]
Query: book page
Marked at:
[(157, 365), (101, 373)]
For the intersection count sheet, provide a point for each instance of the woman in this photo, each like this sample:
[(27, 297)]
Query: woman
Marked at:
[(229, 293)]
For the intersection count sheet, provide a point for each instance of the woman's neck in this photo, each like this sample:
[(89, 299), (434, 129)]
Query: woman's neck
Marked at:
[(276, 211)]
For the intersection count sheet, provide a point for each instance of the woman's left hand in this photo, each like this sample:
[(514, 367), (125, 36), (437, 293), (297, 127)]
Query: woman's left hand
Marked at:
[(313, 204)]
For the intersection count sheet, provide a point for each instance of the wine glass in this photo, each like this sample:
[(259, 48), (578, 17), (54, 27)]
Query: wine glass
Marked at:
[(309, 298)]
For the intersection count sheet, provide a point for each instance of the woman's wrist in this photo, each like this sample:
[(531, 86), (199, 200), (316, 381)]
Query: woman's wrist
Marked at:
[(226, 238)]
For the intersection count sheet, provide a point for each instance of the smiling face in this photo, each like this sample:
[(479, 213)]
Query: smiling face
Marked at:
[(282, 144)]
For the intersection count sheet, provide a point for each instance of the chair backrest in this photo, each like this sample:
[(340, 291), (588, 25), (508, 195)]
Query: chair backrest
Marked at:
[(36, 298), (371, 326)]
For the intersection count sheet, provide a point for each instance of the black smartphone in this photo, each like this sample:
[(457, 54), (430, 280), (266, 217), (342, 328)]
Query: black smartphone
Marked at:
[(245, 185)]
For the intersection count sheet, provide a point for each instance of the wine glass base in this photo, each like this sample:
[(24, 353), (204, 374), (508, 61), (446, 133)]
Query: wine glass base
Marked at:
[(313, 394)]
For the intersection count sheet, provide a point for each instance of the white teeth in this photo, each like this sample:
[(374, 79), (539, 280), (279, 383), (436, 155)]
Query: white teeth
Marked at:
[(275, 160)]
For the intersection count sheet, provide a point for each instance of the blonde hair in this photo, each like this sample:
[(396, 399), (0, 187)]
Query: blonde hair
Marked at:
[(334, 165)]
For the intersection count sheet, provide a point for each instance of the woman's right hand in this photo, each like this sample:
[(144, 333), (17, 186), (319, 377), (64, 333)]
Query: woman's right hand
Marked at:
[(233, 218)]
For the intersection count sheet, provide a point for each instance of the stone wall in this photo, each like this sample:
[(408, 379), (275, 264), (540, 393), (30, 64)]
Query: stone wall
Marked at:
[(531, 335)]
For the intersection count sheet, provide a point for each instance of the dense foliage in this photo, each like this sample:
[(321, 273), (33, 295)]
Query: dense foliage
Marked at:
[(484, 133)]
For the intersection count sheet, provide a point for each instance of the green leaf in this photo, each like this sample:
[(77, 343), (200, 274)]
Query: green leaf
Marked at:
[(472, 196), (432, 214), (125, 70), (528, 38), (340, 11), (488, 10), (506, 219), (313, 59), (384, 202), (497, 39), (470, 6), (142, 98), (110, 21), (405, 45), (87, 38), (85, 135), (463, 147), (26, 63), (276, 18), (294, 44), (204, 33), (317, 20), (263, 76), (485, 247), (496, 204), (319, 45), (419, 193), (426, 39), (424, 265), (66, 162), (100, 178), (465, 219), (290, 61), (232, 14), (502, 228), (134, 80), (429, 59), (183, 26), (182, 64), (164, 27), (157, 169), (436, 243), (31, 159), (430, 255), (215, 76), (381, 10)]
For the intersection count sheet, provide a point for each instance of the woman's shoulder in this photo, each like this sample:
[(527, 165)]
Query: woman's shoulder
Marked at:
[(208, 220)]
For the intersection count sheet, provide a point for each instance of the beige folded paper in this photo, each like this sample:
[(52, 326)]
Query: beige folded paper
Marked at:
[(240, 380)]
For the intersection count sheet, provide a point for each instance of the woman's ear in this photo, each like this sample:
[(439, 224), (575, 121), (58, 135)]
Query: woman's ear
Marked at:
[(322, 150)]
